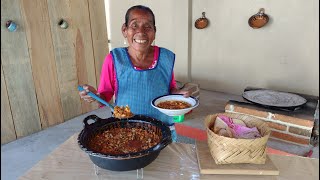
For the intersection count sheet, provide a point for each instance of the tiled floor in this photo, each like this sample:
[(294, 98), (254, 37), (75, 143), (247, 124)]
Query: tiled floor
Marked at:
[(20, 155)]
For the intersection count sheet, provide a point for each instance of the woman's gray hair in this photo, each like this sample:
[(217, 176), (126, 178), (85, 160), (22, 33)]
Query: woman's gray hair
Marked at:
[(139, 7)]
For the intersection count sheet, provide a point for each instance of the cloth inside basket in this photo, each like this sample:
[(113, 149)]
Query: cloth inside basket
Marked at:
[(239, 130)]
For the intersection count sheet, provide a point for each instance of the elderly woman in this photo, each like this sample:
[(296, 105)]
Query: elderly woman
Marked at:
[(140, 72)]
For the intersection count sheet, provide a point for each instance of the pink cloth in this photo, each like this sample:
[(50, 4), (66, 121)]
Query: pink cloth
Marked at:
[(240, 131), (108, 85)]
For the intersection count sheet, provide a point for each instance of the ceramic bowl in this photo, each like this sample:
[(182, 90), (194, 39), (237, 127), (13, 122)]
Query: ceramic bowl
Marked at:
[(178, 97)]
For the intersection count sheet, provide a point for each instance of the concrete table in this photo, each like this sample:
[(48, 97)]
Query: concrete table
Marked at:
[(176, 161)]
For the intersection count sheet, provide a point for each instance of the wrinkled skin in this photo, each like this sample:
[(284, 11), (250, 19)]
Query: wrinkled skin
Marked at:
[(140, 33)]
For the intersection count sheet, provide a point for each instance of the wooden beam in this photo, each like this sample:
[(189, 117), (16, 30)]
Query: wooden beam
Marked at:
[(35, 14), (99, 33), (17, 74), (83, 48), (63, 42), (7, 127)]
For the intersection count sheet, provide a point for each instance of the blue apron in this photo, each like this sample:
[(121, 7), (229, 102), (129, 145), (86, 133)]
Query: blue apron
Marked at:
[(150, 83)]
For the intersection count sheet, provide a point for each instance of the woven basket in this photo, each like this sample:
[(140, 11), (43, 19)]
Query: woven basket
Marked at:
[(225, 150)]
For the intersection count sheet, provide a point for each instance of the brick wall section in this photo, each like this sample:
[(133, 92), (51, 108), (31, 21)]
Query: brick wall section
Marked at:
[(293, 120), (299, 131), (277, 126), (285, 128), (248, 111), (289, 138)]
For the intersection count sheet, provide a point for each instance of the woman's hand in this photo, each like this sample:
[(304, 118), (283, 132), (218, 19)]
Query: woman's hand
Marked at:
[(185, 93), (84, 94)]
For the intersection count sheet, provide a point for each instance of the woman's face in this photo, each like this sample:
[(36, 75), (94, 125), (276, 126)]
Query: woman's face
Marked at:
[(140, 31)]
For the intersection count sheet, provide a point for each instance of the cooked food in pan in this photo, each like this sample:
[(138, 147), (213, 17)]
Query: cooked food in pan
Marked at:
[(124, 140), (173, 104), (122, 112)]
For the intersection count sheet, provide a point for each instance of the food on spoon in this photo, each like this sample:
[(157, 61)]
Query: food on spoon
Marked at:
[(122, 112), (173, 104)]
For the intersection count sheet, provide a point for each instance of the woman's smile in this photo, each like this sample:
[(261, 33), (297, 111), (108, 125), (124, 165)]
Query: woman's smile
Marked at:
[(140, 41)]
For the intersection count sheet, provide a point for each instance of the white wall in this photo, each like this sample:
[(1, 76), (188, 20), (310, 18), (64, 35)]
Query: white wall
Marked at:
[(229, 55)]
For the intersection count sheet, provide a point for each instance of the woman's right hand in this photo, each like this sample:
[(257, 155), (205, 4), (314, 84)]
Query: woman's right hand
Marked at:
[(84, 94)]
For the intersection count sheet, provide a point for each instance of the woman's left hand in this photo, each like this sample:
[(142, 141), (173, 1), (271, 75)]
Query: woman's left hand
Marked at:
[(185, 93)]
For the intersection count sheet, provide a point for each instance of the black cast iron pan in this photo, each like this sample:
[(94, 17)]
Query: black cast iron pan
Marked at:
[(123, 162)]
